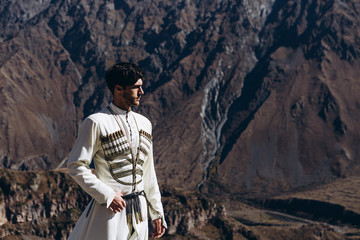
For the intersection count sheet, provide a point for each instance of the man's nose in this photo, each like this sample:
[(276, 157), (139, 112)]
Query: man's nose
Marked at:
[(141, 91)]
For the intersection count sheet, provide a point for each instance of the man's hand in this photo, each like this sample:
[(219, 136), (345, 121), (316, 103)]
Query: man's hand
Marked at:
[(118, 204), (159, 229)]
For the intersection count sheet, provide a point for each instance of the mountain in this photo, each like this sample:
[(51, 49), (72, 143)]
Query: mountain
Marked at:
[(48, 206), (294, 123), (246, 98), (38, 205)]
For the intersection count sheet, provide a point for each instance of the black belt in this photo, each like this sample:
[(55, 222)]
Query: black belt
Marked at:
[(133, 206)]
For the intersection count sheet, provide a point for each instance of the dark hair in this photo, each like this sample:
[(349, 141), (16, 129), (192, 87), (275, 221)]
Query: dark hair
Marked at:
[(123, 74)]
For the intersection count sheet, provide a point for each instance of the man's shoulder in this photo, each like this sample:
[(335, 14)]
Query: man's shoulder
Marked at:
[(99, 116), (141, 117), (144, 121)]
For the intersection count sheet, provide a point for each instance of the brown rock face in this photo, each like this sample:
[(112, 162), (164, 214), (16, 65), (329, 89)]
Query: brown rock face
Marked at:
[(244, 96), (37, 110), (46, 205), (293, 124)]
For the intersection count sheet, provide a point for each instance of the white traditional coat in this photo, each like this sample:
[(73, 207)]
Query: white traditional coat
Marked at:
[(104, 138)]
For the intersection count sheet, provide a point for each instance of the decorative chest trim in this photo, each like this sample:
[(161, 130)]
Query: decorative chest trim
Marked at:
[(114, 145)]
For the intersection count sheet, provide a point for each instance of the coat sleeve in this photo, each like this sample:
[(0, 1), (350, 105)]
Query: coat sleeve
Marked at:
[(152, 190), (85, 147)]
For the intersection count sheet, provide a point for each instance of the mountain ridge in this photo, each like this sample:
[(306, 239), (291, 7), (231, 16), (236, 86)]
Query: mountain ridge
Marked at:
[(243, 96)]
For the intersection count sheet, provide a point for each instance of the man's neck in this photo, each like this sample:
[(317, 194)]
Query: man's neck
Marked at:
[(122, 106)]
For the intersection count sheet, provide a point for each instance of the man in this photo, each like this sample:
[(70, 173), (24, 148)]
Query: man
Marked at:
[(124, 186)]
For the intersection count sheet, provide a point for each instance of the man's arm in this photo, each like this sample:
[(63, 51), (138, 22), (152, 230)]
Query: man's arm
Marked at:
[(86, 145), (152, 191)]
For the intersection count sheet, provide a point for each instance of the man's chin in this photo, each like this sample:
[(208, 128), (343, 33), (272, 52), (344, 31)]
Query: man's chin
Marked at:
[(136, 103)]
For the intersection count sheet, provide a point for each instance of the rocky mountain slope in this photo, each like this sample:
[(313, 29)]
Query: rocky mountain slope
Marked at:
[(246, 97), (295, 122), (46, 205)]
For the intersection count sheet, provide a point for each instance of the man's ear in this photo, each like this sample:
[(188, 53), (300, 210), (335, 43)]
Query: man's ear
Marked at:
[(119, 88)]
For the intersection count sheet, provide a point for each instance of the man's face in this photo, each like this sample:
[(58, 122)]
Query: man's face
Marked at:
[(133, 93)]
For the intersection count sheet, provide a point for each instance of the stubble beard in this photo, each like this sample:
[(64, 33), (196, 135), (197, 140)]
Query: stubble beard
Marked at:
[(136, 101)]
